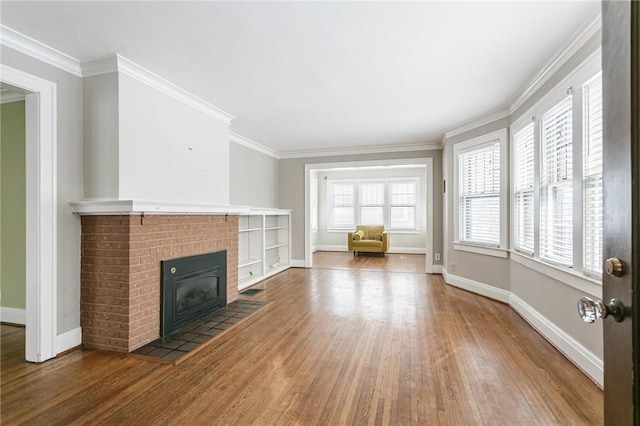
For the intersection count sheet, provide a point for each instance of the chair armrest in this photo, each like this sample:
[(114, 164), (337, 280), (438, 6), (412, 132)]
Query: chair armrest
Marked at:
[(385, 240), (350, 241)]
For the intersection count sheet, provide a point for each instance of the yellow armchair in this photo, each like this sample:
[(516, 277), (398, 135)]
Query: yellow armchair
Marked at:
[(368, 239)]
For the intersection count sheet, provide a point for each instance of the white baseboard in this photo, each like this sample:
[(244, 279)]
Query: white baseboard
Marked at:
[(585, 360), (13, 315), (68, 340), (476, 287), (297, 263), (571, 348), (437, 269), (393, 250)]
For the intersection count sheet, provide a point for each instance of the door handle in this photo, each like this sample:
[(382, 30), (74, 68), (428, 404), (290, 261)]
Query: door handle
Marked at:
[(590, 309)]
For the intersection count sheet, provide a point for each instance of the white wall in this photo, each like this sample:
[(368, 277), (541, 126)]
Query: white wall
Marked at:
[(101, 128), (254, 179), (399, 242), (69, 181)]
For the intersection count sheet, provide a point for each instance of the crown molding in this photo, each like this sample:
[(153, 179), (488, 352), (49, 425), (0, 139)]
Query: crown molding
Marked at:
[(561, 58), (474, 124), (361, 150), (7, 97), (100, 66), (28, 46), (239, 139)]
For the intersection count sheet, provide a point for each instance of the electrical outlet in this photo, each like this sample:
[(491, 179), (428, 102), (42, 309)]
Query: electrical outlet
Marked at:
[(437, 256)]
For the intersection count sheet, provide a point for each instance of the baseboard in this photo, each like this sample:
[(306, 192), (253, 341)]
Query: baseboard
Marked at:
[(476, 287), (437, 269), (68, 340), (297, 263), (393, 250), (13, 315), (585, 360)]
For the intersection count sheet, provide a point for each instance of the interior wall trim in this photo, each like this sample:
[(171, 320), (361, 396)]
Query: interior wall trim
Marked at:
[(13, 315), (68, 340), (241, 140), (575, 352), (30, 47)]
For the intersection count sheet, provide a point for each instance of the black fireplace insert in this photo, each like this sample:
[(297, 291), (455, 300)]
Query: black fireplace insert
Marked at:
[(192, 287)]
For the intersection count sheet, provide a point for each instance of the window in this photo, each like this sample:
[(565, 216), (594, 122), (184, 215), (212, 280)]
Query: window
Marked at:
[(341, 206), (557, 176), (313, 204), (392, 202), (556, 184), (592, 175), (479, 194), (403, 204), (371, 203), (523, 190)]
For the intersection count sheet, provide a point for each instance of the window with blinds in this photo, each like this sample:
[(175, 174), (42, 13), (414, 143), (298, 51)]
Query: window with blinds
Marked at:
[(479, 195), (341, 205), (372, 203), (592, 175), (556, 184), (523, 190), (403, 204)]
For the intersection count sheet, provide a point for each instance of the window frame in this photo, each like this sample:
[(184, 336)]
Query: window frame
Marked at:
[(464, 147), (357, 206), (572, 85)]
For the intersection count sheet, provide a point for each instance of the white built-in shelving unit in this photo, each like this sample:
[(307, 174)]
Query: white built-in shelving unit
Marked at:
[(264, 245)]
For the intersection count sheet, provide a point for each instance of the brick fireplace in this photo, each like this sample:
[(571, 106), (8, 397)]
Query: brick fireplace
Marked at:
[(120, 271)]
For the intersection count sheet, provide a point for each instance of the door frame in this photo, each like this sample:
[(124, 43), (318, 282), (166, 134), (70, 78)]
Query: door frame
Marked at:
[(427, 163), (41, 215)]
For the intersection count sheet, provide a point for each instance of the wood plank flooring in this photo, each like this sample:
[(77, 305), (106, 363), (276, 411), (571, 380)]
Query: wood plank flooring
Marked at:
[(332, 347), (390, 262)]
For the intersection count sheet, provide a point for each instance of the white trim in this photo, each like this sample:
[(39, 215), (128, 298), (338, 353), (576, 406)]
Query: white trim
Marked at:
[(475, 123), (117, 207), (585, 360), (241, 140), (487, 251), (582, 283), (429, 188), (394, 250), (556, 62), (68, 340), (297, 263), (438, 269), (360, 150), (28, 46), (41, 216), (100, 66), (13, 315), (476, 287), (162, 85), (8, 97)]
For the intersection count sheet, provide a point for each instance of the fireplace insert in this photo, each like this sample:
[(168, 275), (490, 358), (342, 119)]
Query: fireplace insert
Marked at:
[(192, 287)]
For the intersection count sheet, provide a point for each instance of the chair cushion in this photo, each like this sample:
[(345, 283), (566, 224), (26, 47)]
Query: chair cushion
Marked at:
[(367, 243), (357, 236), (371, 232)]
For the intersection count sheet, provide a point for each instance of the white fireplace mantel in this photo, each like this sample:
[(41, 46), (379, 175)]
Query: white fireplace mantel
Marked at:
[(133, 207)]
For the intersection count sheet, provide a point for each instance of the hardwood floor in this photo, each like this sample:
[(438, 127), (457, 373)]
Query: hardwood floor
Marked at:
[(332, 347), (390, 262)]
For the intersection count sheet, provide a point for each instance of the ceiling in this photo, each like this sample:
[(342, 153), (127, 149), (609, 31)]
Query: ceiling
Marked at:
[(305, 76)]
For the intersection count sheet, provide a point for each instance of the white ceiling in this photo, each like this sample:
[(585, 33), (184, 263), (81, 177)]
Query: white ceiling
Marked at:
[(301, 76)]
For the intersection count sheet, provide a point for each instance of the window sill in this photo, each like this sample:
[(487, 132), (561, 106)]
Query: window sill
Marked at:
[(390, 231), (487, 251), (578, 281)]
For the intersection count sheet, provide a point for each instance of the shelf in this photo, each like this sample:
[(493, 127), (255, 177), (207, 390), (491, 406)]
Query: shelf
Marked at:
[(273, 228), (248, 262), (275, 245), (250, 229)]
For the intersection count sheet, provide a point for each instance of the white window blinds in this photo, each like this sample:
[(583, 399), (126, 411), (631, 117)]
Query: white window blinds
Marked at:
[(403, 205), (372, 203), (556, 185), (592, 174), (479, 192), (342, 201), (523, 190)]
